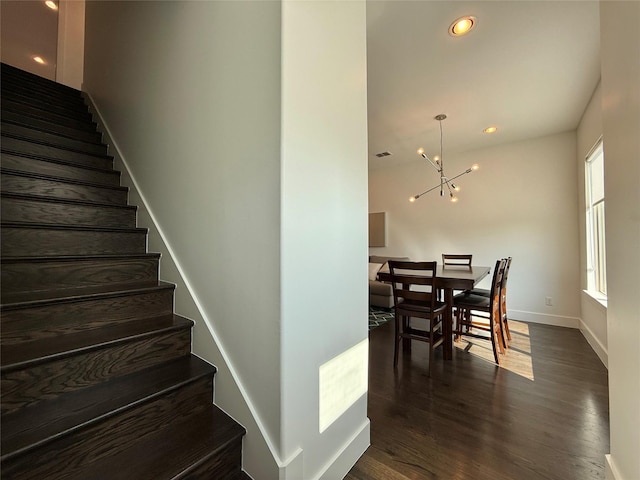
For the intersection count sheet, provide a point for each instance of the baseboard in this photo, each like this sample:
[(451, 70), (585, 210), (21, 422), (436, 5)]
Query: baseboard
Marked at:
[(348, 455), (542, 318), (595, 344), (610, 470)]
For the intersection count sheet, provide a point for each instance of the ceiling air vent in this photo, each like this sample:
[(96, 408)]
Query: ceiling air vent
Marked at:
[(383, 154)]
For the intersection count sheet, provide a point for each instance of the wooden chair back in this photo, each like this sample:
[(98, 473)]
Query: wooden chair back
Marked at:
[(451, 259), (413, 283)]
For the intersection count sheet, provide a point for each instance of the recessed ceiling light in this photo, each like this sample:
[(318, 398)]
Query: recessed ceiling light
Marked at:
[(462, 26), (38, 60), (51, 4), (490, 129)]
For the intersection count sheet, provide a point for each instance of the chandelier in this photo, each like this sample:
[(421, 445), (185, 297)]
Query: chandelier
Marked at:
[(446, 183)]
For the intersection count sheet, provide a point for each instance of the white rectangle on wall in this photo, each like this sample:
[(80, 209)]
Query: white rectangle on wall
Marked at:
[(343, 380)]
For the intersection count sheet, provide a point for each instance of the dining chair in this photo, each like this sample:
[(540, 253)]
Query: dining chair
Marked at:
[(478, 312), (414, 297), (504, 318), (454, 260), (451, 259)]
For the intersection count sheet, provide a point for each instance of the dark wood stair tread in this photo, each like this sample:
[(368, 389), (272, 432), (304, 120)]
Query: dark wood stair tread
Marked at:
[(75, 295), (82, 228), (53, 178), (32, 133), (52, 419), (24, 76), (68, 201), (27, 156), (17, 267), (61, 149), (51, 127), (203, 436), (31, 353)]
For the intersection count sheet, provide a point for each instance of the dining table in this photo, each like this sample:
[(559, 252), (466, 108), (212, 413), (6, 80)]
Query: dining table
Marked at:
[(448, 279)]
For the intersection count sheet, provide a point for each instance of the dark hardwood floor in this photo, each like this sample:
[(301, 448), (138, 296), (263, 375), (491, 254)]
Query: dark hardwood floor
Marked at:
[(473, 420)]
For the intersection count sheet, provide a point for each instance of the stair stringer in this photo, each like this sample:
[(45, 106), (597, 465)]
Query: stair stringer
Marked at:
[(260, 456)]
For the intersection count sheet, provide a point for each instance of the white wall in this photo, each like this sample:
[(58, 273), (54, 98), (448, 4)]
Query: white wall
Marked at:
[(191, 94), (324, 224), (522, 202), (70, 53), (243, 128), (593, 320), (620, 47)]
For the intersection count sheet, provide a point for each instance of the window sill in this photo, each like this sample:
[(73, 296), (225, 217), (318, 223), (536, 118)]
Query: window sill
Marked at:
[(597, 297)]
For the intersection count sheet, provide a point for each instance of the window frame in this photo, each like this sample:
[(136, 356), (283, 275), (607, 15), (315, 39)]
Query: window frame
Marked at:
[(595, 226)]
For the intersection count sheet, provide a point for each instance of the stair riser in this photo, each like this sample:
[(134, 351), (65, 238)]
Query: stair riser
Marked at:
[(35, 122), (225, 463), (53, 139), (42, 211), (26, 387), (22, 109), (73, 109), (48, 321), (66, 191), (43, 167), (25, 93), (40, 242), (76, 112), (25, 147), (53, 275), (33, 81), (66, 456)]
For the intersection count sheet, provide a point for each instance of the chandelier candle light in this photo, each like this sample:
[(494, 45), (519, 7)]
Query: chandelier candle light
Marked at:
[(438, 164)]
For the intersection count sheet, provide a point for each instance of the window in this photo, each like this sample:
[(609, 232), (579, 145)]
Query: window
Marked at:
[(594, 192)]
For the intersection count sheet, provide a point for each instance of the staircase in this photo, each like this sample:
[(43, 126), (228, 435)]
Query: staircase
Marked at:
[(98, 379)]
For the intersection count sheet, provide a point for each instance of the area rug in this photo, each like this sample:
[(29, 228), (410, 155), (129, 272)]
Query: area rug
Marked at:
[(378, 317)]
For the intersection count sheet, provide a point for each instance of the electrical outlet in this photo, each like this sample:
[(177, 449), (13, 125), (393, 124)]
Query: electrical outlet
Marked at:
[(548, 301)]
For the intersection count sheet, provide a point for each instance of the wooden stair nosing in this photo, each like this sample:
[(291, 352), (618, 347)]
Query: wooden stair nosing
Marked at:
[(79, 228), (68, 201), (207, 435), (22, 75), (42, 239), (61, 165), (12, 86), (59, 107), (68, 347), (70, 454), (28, 429), (11, 89), (51, 210), (28, 90), (44, 125), (31, 111), (93, 189), (54, 151), (48, 318), (82, 122), (73, 296), (46, 276), (21, 240), (31, 134)]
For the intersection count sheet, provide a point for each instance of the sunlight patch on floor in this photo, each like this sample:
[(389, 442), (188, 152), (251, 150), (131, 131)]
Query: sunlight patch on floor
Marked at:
[(518, 356)]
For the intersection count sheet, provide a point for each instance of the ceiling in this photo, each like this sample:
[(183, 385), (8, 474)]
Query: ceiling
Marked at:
[(528, 67)]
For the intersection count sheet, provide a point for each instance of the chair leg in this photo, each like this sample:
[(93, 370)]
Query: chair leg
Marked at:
[(505, 322), (396, 342), (495, 340)]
